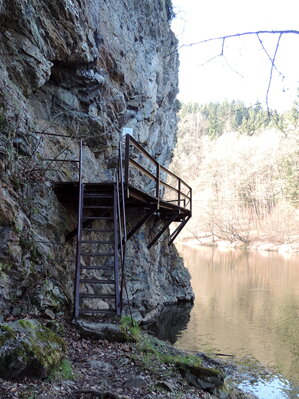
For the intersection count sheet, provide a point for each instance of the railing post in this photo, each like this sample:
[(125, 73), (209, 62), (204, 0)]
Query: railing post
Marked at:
[(79, 234), (127, 158), (179, 193), (158, 184)]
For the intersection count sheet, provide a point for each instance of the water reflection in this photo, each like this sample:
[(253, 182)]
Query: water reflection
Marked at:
[(247, 303), (171, 321)]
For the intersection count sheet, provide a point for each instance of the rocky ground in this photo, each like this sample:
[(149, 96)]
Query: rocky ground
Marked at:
[(97, 368)]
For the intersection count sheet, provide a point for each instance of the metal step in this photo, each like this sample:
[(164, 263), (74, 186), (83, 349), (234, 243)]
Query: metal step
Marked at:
[(103, 296), (97, 267), (98, 207), (99, 230), (97, 218), (98, 311), (97, 254), (92, 281), (97, 242), (97, 195)]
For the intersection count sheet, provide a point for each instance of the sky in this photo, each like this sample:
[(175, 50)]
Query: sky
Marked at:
[(243, 72)]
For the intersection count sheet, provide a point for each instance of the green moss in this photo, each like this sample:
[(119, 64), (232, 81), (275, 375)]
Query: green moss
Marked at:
[(30, 345), (26, 324), (153, 353), (181, 360), (63, 372), (131, 328), (29, 247), (6, 333)]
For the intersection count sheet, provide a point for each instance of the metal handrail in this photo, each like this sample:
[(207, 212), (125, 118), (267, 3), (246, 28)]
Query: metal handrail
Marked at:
[(122, 218), (183, 199), (79, 232)]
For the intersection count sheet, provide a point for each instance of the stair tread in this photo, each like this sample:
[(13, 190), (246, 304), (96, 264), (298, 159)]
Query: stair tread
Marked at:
[(100, 230), (104, 296), (97, 195), (93, 281), (95, 311), (97, 218), (97, 242), (97, 253), (98, 206), (96, 267)]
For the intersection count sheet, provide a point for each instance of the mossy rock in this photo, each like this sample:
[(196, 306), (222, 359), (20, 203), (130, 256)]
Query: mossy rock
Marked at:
[(205, 378), (102, 331), (27, 348)]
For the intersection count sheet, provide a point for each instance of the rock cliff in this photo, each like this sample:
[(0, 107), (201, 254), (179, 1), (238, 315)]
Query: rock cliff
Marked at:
[(83, 68)]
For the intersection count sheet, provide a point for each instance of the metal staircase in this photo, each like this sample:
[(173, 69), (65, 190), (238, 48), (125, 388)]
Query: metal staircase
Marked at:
[(141, 184), (97, 260)]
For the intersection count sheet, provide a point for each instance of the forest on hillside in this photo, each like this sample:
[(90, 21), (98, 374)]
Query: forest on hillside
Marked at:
[(243, 165)]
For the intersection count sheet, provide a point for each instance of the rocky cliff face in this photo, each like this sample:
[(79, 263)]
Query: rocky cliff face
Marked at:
[(84, 68)]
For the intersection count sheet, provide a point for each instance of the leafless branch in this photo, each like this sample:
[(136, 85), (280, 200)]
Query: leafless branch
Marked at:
[(271, 71), (268, 55), (255, 33)]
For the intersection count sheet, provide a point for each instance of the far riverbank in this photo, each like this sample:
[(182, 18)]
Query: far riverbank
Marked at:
[(255, 245)]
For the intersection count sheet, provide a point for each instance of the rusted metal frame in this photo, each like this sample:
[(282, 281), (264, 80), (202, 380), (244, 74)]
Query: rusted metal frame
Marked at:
[(177, 231), (143, 220), (157, 236), (116, 263), (79, 235)]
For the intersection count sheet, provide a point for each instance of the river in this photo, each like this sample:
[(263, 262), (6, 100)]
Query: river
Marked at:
[(247, 306)]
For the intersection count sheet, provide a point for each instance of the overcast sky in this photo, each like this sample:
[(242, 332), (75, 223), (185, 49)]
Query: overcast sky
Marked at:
[(243, 74)]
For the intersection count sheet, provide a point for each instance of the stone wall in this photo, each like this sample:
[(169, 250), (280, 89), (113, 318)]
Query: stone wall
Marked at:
[(84, 68)]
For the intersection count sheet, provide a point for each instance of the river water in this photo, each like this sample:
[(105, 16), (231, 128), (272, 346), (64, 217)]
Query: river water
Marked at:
[(246, 305)]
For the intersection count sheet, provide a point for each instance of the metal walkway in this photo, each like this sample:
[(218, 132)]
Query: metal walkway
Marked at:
[(141, 183)]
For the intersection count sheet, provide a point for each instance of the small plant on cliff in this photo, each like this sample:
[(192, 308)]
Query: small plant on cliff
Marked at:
[(169, 10)]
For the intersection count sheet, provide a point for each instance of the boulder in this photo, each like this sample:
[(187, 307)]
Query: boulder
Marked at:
[(102, 331), (205, 378), (27, 348)]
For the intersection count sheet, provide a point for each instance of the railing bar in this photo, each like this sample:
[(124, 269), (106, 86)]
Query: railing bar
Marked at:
[(173, 175), (142, 169), (57, 135), (79, 234), (174, 189), (60, 160), (169, 186), (142, 150)]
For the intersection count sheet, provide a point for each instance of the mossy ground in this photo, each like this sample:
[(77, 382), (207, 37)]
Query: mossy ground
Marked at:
[(100, 366)]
